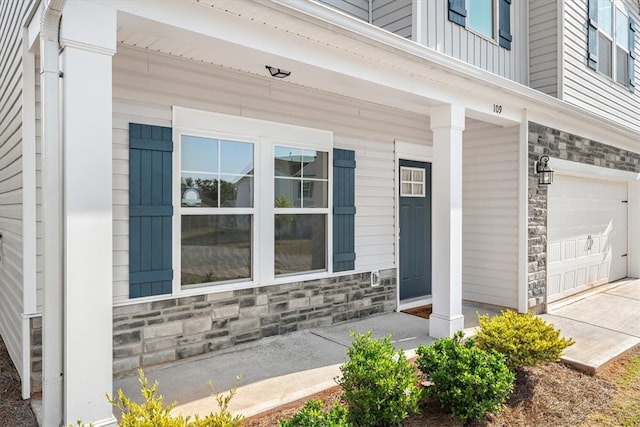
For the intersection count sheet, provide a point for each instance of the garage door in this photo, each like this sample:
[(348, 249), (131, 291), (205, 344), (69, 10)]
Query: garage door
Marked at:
[(587, 231)]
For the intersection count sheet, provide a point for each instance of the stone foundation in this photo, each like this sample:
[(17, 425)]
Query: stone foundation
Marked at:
[(560, 145), (151, 333)]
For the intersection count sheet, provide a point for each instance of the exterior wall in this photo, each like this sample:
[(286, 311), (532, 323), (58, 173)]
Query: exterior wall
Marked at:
[(356, 8), (444, 36), (164, 331), (393, 15), (147, 85), (543, 46), (490, 214), (585, 87), (12, 14), (555, 143)]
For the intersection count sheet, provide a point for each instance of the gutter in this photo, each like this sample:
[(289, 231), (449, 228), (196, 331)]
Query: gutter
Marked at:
[(52, 203), (334, 20)]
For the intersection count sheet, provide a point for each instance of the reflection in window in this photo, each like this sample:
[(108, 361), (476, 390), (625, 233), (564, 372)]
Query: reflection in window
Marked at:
[(301, 178), (480, 16), (216, 173), (215, 248), (300, 243)]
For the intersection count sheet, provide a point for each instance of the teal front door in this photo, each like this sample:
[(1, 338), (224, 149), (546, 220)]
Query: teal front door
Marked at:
[(415, 229)]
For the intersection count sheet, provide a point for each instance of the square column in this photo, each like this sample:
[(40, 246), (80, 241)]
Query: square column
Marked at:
[(88, 39), (447, 124)]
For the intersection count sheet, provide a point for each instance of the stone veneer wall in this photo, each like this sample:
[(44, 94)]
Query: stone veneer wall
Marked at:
[(561, 145), (151, 333)]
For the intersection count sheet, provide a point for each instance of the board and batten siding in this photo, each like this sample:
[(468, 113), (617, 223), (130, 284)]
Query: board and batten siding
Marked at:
[(12, 14), (147, 85), (587, 88), (543, 46), (459, 42), (490, 214)]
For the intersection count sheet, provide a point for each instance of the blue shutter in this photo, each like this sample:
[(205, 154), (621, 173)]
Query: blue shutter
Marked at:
[(592, 54), (457, 12), (504, 20), (150, 210), (632, 55), (344, 210)]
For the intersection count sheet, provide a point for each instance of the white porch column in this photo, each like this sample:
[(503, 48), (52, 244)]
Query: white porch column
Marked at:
[(447, 124), (88, 39)]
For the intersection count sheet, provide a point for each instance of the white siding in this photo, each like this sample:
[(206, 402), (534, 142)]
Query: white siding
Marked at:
[(585, 87), (490, 214), (444, 36), (543, 46), (147, 85), (11, 292), (39, 222), (393, 15)]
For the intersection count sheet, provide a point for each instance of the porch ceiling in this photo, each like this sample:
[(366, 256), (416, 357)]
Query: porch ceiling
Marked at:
[(142, 33)]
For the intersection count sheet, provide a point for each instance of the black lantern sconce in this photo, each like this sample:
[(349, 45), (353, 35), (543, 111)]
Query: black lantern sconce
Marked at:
[(545, 173), (277, 72)]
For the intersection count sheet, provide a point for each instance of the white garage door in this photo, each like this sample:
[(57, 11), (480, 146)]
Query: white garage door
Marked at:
[(587, 230)]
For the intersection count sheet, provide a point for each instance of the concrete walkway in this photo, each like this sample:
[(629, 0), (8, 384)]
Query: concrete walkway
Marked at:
[(282, 369)]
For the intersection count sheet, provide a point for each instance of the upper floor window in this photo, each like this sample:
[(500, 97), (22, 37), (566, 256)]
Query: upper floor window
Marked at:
[(483, 16), (612, 41)]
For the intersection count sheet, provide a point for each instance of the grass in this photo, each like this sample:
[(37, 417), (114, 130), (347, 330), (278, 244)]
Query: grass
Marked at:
[(625, 408)]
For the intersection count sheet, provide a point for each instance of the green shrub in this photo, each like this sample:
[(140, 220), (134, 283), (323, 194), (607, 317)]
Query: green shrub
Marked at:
[(379, 385), (153, 413), (524, 339), (312, 415), (467, 381)]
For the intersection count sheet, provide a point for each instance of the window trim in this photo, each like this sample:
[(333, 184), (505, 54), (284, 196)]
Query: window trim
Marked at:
[(265, 135), (616, 6)]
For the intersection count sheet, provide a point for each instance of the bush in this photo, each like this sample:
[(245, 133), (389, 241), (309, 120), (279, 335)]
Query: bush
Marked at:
[(524, 339), (379, 385), (312, 415), (152, 412), (467, 381)]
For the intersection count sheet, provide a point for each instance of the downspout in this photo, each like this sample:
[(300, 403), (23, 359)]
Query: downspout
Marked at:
[(52, 312)]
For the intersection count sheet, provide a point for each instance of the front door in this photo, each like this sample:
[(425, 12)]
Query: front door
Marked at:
[(415, 229)]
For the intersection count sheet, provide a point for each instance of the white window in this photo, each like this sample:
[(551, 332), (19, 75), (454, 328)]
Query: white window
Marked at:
[(481, 17), (613, 41), (412, 182), (253, 200)]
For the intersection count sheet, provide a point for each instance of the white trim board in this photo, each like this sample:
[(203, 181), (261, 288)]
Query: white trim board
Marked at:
[(566, 167)]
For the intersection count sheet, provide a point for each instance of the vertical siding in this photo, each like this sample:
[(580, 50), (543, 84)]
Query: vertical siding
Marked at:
[(543, 46), (39, 226), (393, 15), (147, 85), (490, 214), (585, 87), (11, 302), (454, 40), (355, 8)]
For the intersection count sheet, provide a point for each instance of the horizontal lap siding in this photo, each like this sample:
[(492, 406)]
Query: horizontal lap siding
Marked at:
[(147, 85), (586, 88), (393, 15), (490, 214), (454, 40), (356, 8), (543, 46), (12, 14)]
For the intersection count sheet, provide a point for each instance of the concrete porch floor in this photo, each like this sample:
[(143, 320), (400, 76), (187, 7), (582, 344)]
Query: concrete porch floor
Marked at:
[(605, 324)]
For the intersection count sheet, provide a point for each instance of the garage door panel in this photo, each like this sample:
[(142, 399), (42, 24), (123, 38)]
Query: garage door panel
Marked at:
[(587, 226)]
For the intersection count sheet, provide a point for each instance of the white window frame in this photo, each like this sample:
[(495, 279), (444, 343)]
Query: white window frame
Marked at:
[(265, 135), (494, 22), (616, 6), (424, 180)]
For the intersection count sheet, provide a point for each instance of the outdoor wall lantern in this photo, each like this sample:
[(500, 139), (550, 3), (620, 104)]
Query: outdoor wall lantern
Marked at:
[(277, 72), (545, 173)]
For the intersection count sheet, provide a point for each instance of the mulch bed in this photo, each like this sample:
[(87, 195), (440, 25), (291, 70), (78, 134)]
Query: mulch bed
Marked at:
[(548, 395), (14, 411)]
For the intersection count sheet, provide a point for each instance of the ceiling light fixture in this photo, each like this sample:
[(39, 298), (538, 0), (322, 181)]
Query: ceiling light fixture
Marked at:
[(277, 72)]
